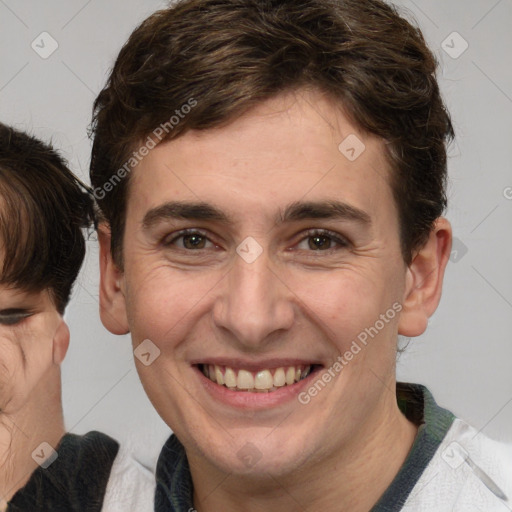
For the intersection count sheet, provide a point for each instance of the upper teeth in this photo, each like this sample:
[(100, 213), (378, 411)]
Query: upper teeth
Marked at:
[(262, 380)]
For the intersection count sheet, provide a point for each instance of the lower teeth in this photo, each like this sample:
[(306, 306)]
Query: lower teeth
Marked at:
[(254, 390)]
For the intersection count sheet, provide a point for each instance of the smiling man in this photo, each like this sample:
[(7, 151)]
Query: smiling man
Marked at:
[(271, 177)]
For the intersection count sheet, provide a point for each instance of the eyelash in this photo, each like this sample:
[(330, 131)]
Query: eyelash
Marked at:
[(10, 317), (309, 234)]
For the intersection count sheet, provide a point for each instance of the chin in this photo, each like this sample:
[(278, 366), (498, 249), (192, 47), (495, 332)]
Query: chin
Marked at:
[(255, 453)]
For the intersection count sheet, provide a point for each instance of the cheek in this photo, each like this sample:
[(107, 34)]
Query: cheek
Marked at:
[(346, 301), (14, 375), (11, 370), (25, 357), (161, 300)]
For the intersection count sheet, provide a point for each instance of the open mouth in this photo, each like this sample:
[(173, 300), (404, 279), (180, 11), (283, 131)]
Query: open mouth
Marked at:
[(261, 381)]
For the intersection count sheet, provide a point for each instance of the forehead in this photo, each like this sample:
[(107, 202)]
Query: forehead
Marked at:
[(296, 147)]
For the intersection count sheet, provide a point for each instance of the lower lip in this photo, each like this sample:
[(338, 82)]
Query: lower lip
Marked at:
[(254, 400)]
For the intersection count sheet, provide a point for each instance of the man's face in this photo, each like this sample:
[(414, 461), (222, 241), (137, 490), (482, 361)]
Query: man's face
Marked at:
[(28, 326), (257, 252)]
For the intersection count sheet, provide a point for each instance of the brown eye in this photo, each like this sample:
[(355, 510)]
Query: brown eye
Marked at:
[(189, 240), (194, 242), (319, 242)]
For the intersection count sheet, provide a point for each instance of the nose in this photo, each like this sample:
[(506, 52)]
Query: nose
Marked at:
[(255, 304)]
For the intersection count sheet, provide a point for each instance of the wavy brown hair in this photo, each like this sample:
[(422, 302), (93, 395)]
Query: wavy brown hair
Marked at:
[(230, 55), (43, 209)]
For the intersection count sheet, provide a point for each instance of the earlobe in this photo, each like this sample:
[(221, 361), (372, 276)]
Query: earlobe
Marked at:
[(60, 342), (112, 300), (424, 280)]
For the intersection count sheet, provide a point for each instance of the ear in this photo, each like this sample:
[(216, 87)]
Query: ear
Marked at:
[(112, 300), (424, 280), (60, 342)]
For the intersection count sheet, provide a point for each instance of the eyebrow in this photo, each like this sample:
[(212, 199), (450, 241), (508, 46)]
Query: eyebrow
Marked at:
[(324, 210), (181, 210)]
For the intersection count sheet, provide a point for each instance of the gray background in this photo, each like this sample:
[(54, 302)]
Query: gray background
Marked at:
[(464, 357)]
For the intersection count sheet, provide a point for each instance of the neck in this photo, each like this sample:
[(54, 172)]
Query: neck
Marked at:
[(39, 420), (336, 484)]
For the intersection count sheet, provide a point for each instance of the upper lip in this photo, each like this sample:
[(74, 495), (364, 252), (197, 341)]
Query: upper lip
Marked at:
[(255, 365)]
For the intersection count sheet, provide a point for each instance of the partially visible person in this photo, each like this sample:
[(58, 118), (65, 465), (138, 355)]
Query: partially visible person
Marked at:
[(43, 210)]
